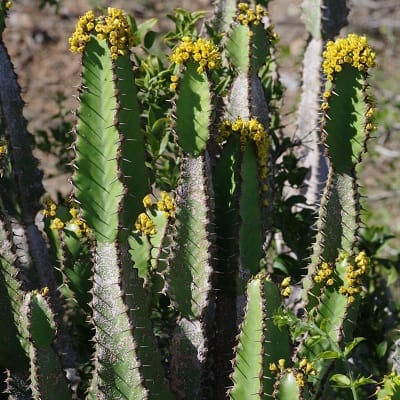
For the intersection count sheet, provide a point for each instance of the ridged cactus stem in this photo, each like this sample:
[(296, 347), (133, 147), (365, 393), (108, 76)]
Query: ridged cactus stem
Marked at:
[(47, 379), (110, 151), (323, 20), (11, 298), (335, 275), (115, 348), (223, 14), (240, 174), (192, 262), (25, 178), (193, 257), (259, 344), (26, 175)]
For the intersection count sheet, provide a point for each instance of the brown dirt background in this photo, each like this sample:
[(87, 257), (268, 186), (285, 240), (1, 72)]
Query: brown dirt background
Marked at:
[(37, 42)]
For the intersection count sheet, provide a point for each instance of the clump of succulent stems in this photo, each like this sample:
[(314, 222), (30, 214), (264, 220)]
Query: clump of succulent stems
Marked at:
[(157, 279)]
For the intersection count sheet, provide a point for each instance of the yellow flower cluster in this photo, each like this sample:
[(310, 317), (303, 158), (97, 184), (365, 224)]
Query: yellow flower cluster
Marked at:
[(147, 202), (116, 29), (285, 287), (145, 225), (249, 130), (324, 274), (247, 16), (45, 291), (8, 5), (354, 274), (80, 226), (326, 95), (305, 369), (56, 223), (113, 27), (174, 82), (166, 204), (276, 368), (369, 123), (353, 50), (81, 35), (3, 150), (76, 224), (51, 208), (204, 52)]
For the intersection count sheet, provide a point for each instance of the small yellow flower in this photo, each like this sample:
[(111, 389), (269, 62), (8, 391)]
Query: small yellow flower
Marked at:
[(303, 363), (309, 368), (286, 292), (286, 282), (147, 202), (326, 94), (74, 212), (273, 368), (350, 299), (324, 106), (3, 150), (370, 113), (145, 225), (167, 204), (355, 271), (300, 379), (57, 224)]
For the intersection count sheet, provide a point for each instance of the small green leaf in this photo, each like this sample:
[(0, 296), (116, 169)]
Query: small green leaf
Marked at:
[(340, 380), (280, 264), (144, 28), (363, 380), (392, 276), (324, 325), (349, 348), (328, 355), (149, 39), (381, 348)]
